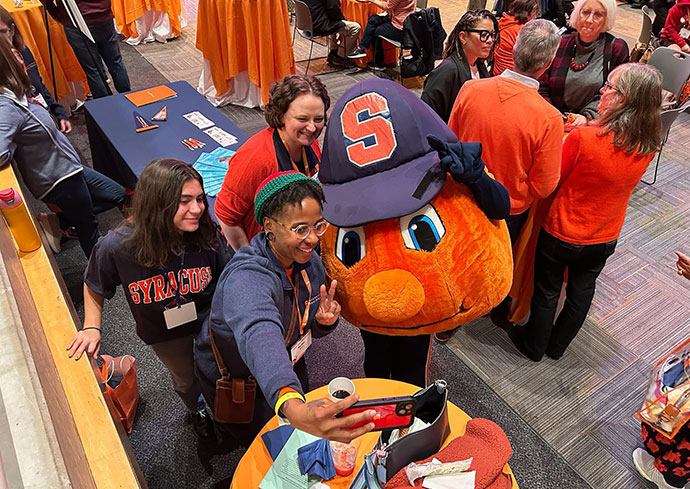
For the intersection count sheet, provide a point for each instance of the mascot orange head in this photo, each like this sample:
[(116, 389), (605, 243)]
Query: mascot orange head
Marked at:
[(411, 250)]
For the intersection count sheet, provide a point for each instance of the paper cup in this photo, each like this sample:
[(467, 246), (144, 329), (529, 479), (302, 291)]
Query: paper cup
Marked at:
[(340, 387)]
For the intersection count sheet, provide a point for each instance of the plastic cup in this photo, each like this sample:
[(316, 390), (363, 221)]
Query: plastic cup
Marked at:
[(340, 387), (344, 456)]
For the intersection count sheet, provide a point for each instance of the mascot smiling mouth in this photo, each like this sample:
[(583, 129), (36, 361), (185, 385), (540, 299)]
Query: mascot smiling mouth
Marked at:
[(461, 309)]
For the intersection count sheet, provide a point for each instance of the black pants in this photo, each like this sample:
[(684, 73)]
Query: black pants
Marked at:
[(672, 457), (584, 264), (403, 358), (515, 223), (81, 197), (107, 48), (379, 25), (244, 434), (660, 8)]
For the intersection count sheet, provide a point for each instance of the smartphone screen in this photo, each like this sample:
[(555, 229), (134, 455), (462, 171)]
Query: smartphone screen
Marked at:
[(391, 412)]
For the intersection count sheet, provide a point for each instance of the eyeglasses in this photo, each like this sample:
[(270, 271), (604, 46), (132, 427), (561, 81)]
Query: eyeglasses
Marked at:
[(484, 35), (302, 231), (597, 15), (608, 86)]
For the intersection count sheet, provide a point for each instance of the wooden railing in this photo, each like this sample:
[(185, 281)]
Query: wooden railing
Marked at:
[(94, 446)]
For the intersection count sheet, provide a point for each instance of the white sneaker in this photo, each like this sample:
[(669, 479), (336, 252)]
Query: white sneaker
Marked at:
[(644, 463)]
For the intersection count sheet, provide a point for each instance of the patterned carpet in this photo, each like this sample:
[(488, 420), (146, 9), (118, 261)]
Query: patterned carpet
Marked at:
[(583, 404)]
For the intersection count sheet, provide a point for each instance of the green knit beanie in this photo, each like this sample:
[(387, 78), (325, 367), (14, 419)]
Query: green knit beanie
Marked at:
[(274, 184)]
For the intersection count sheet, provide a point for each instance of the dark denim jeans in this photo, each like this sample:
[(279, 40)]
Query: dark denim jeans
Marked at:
[(106, 49), (82, 196), (379, 25), (584, 264)]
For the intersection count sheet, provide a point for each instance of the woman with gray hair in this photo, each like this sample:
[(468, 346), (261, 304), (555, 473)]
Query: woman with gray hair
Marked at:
[(583, 62), (601, 165)]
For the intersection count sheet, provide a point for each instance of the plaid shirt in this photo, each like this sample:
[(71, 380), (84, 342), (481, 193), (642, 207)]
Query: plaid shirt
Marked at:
[(552, 82)]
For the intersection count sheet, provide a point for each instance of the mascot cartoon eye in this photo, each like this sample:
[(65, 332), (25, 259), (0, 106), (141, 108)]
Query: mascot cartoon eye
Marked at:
[(422, 230), (350, 245)]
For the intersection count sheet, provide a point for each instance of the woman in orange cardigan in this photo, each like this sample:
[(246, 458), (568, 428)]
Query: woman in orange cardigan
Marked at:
[(601, 165)]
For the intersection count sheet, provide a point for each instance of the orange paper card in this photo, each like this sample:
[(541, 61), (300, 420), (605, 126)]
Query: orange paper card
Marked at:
[(150, 95)]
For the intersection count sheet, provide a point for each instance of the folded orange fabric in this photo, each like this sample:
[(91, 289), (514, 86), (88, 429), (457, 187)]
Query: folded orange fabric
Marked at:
[(489, 448)]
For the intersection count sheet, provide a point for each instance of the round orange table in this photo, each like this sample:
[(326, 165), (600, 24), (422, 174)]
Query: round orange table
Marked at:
[(256, 462), (147, 20), (69, 77), (247, 45)]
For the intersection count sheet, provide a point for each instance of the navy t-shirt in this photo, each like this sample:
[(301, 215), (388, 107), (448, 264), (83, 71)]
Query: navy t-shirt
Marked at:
[(150, 289)]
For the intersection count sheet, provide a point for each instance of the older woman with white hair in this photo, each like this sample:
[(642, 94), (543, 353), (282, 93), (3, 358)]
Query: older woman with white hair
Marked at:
[(583, 62)]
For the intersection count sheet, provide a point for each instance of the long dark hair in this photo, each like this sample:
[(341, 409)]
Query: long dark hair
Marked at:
[(469, 21), (154, 239), (17, 39), (12, 74), (636, 123)]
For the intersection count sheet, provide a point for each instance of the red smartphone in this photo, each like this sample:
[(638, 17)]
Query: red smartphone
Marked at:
[(391, 412)]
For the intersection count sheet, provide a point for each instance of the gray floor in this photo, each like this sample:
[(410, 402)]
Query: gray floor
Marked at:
[(163, 441)]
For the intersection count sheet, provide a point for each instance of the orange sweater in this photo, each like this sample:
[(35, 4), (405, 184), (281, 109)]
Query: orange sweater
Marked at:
[(520, 132), (503, 57), (596, 184)]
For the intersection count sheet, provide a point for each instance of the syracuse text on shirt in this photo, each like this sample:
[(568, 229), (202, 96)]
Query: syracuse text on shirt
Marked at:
[(156, 288)]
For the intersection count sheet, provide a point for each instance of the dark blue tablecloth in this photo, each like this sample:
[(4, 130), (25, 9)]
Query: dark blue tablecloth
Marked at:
[(121, 153)]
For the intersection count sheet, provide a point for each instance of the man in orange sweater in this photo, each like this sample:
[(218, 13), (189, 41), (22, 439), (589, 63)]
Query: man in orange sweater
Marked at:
[(520, 132)]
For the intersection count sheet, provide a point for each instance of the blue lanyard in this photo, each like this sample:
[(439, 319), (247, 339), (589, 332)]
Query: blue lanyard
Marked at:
[(178, 298)]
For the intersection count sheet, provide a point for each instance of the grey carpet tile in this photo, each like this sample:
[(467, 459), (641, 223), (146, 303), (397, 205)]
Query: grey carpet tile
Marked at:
[(601, 353)]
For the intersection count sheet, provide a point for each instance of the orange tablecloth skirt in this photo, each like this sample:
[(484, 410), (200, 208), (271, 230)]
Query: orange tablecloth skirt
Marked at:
[(127, 12), (29, 20), (256, 462), (245, 35)]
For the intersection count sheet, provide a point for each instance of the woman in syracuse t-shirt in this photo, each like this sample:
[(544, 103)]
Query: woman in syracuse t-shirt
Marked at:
[(168, 257)]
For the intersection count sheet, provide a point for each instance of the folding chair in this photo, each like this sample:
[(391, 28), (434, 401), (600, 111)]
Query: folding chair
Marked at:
[(674, 66), (646, 32), (305, 29), (668, 117)]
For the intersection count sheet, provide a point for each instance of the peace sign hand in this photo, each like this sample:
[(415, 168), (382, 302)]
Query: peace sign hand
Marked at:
[(329, 309)]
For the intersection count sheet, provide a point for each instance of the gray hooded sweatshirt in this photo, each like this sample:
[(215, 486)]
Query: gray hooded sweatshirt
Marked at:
[(42, 153)]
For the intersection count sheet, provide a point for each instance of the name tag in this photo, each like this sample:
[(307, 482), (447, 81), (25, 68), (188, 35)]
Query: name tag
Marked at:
[(177, 316), (298, 349), (684, 33)]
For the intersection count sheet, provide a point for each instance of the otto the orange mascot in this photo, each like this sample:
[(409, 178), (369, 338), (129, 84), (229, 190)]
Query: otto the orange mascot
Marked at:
[(414, 252)]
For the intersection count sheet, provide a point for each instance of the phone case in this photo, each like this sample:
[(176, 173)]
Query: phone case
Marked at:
[(391, 412)]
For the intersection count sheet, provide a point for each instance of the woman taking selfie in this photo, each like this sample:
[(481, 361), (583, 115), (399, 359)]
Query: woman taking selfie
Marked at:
[(601, 165), (467, 49), (167, 257), (270, 302), (296, 115)]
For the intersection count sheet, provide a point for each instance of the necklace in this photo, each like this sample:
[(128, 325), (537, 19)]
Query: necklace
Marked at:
[(580, 67)]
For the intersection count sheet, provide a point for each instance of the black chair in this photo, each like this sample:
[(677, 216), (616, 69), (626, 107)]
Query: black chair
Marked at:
[(303, 25), (668, 117)]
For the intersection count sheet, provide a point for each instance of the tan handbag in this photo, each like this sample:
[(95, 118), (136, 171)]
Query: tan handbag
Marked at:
[(234, 397)]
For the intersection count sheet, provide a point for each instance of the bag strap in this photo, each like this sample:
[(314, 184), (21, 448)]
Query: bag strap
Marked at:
[(225, 375)]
